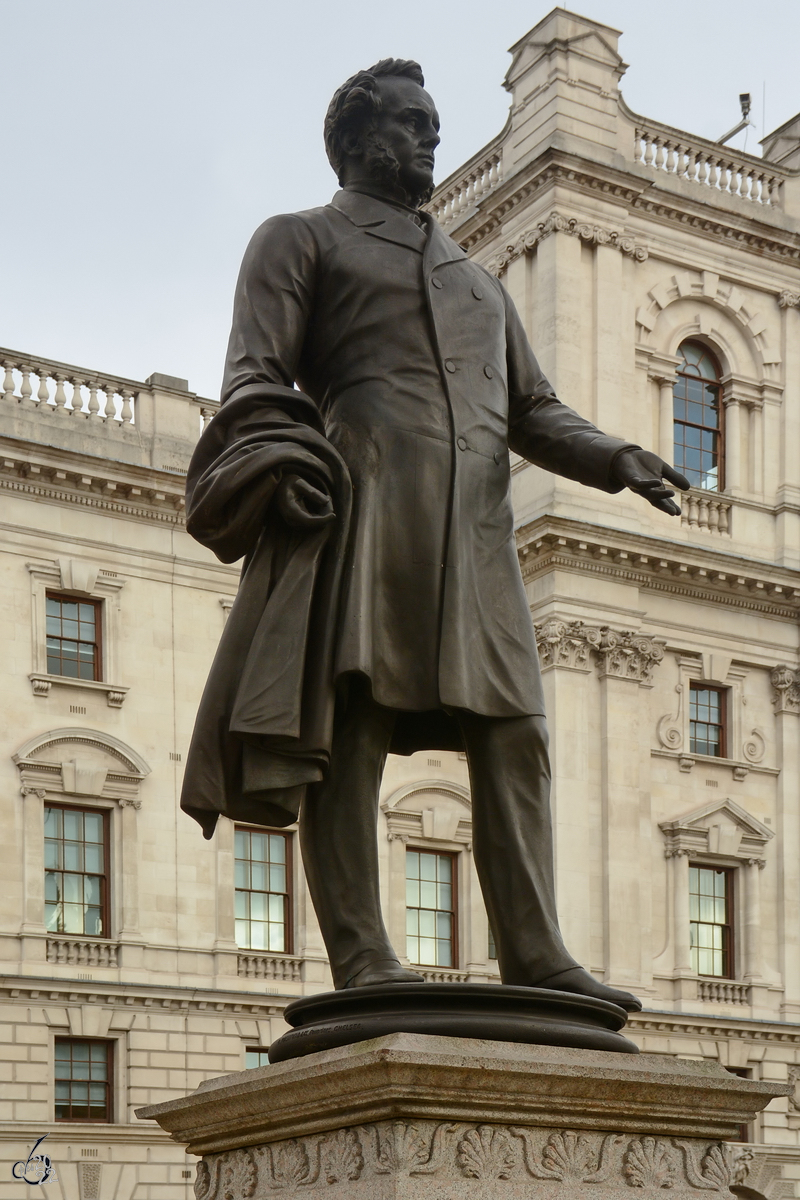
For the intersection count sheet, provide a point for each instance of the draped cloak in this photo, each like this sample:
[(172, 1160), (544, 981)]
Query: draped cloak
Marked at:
[(374, 359)]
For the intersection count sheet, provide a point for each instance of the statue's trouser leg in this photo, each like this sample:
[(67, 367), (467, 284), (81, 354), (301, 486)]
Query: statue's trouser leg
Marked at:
[(338, 835), (509, 772)]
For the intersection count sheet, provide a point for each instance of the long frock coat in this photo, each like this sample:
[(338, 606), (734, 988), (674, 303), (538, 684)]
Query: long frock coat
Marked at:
[(415, 380)]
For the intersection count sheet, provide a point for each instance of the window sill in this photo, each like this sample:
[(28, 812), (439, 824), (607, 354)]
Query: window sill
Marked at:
[(115, 694), (738, 768)]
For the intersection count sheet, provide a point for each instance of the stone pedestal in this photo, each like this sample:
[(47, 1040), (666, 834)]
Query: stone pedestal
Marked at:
[(417, 1117)]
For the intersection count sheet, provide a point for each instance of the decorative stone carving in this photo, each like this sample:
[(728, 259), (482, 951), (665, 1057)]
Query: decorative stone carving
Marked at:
[(786, 694), (565, 643), (789, 299), (755, 746), (557, 223), (450, 1152), (670, 726), (650, 1163), (628, 655)]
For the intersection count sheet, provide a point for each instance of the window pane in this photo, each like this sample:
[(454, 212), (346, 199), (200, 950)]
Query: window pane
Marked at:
[(429, 908)]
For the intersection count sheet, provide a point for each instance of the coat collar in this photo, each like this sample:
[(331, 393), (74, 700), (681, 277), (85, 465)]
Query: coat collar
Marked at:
[(380, 219)]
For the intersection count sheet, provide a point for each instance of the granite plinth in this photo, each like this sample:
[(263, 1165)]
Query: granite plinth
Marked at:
[(466, 1010), (416, 1117)]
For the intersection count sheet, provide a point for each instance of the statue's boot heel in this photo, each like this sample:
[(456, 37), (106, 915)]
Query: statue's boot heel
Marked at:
[(383, 970)]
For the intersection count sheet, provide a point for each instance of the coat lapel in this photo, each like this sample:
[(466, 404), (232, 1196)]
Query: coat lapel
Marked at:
[(440, 248), (380, 220)]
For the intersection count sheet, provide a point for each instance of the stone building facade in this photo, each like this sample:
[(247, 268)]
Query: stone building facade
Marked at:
[(658, 275)]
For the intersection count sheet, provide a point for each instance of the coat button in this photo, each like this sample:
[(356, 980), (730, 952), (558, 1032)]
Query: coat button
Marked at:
[(488, 372), (477, 293), (462, 443), (449, 365), (437, 283), (497, 456)]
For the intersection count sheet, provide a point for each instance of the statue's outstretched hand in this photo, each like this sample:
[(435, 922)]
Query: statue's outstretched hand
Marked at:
[(644, 472), (301, 504)]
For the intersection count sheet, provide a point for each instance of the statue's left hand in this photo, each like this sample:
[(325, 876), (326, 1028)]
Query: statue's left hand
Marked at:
[(644, 473)]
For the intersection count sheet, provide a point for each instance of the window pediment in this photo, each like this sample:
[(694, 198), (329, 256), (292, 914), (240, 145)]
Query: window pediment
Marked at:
[(81, 762), (720, 829)]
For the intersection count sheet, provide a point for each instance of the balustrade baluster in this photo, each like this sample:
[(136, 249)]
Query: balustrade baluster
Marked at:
[(669, 166), (638, 146), (77, 398), (724, 518), (93, 411), (126, 413), (650, 150), (60, 396), (713, 516), (713, 171), (702, 168), (693, 510), (660, 155), (25, 390), (43, 393), (8, 383), (494, 174)]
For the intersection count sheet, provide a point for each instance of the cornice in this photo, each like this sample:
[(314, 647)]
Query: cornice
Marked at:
[(701, 1026), (49, 991), (556, 222), (110, 487), (636, 191), (697, 573)]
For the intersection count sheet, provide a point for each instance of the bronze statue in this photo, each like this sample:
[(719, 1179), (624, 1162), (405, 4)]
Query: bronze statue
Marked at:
[(376, 380)]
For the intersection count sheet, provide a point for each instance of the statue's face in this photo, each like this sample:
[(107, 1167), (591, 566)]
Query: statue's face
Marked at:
[(407, 128)]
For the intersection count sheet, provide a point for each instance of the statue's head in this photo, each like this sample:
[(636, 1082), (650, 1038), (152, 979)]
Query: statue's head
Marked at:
[(382, 128)]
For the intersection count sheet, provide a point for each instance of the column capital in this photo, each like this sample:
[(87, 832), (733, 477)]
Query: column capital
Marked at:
[(625, 654), (566, 643), (785, 682)]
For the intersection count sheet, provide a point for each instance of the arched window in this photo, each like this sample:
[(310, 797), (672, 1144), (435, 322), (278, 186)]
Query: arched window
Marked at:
[(697, 418)]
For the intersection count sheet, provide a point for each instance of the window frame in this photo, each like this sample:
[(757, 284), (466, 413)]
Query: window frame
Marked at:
[(255, 1050), (110, 1082), (699, 685), (289, 923), (105, 907), (730, 914), (98, 606), (720, 430), (454, 856)]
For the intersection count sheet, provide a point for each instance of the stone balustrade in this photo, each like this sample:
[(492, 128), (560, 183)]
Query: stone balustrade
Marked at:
[(723, 991), (472, 184), (269, 966), (708, 164), (80, 952), (56, 389), (707, 511), (440, 975)]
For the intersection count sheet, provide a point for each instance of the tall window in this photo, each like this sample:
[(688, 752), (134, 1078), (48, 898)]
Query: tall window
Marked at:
[(430, 908), (83, 1080), (75, 878), (697, 421), (263, 890), (707, 720), (710, 908), (73, 637)]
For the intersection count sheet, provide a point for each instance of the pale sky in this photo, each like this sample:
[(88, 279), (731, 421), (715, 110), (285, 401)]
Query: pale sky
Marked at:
[(144, 140)]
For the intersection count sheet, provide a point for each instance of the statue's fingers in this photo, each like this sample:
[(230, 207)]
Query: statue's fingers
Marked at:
[(675, 477)]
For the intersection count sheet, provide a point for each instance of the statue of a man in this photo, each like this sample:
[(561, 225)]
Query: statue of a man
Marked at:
[(376, 380)]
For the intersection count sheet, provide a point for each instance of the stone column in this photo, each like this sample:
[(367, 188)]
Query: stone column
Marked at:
[(625, 661), (129, 882), (666, 418), (752, 919), (733, 446), (565, 656), (225, 948), (786, 699), (681, 913), (757, 449)]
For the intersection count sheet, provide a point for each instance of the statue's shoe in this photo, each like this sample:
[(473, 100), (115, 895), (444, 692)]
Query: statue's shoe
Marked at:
[(383, 970), (580, 981)]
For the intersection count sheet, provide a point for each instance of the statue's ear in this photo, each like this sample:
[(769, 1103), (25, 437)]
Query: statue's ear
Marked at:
[(352, 141)]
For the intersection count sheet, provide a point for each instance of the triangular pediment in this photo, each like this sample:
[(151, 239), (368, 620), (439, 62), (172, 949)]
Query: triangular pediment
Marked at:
[(721, 827)]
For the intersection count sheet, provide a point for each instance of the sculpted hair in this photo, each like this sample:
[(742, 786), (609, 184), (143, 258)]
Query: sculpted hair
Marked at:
[(356, 103)]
